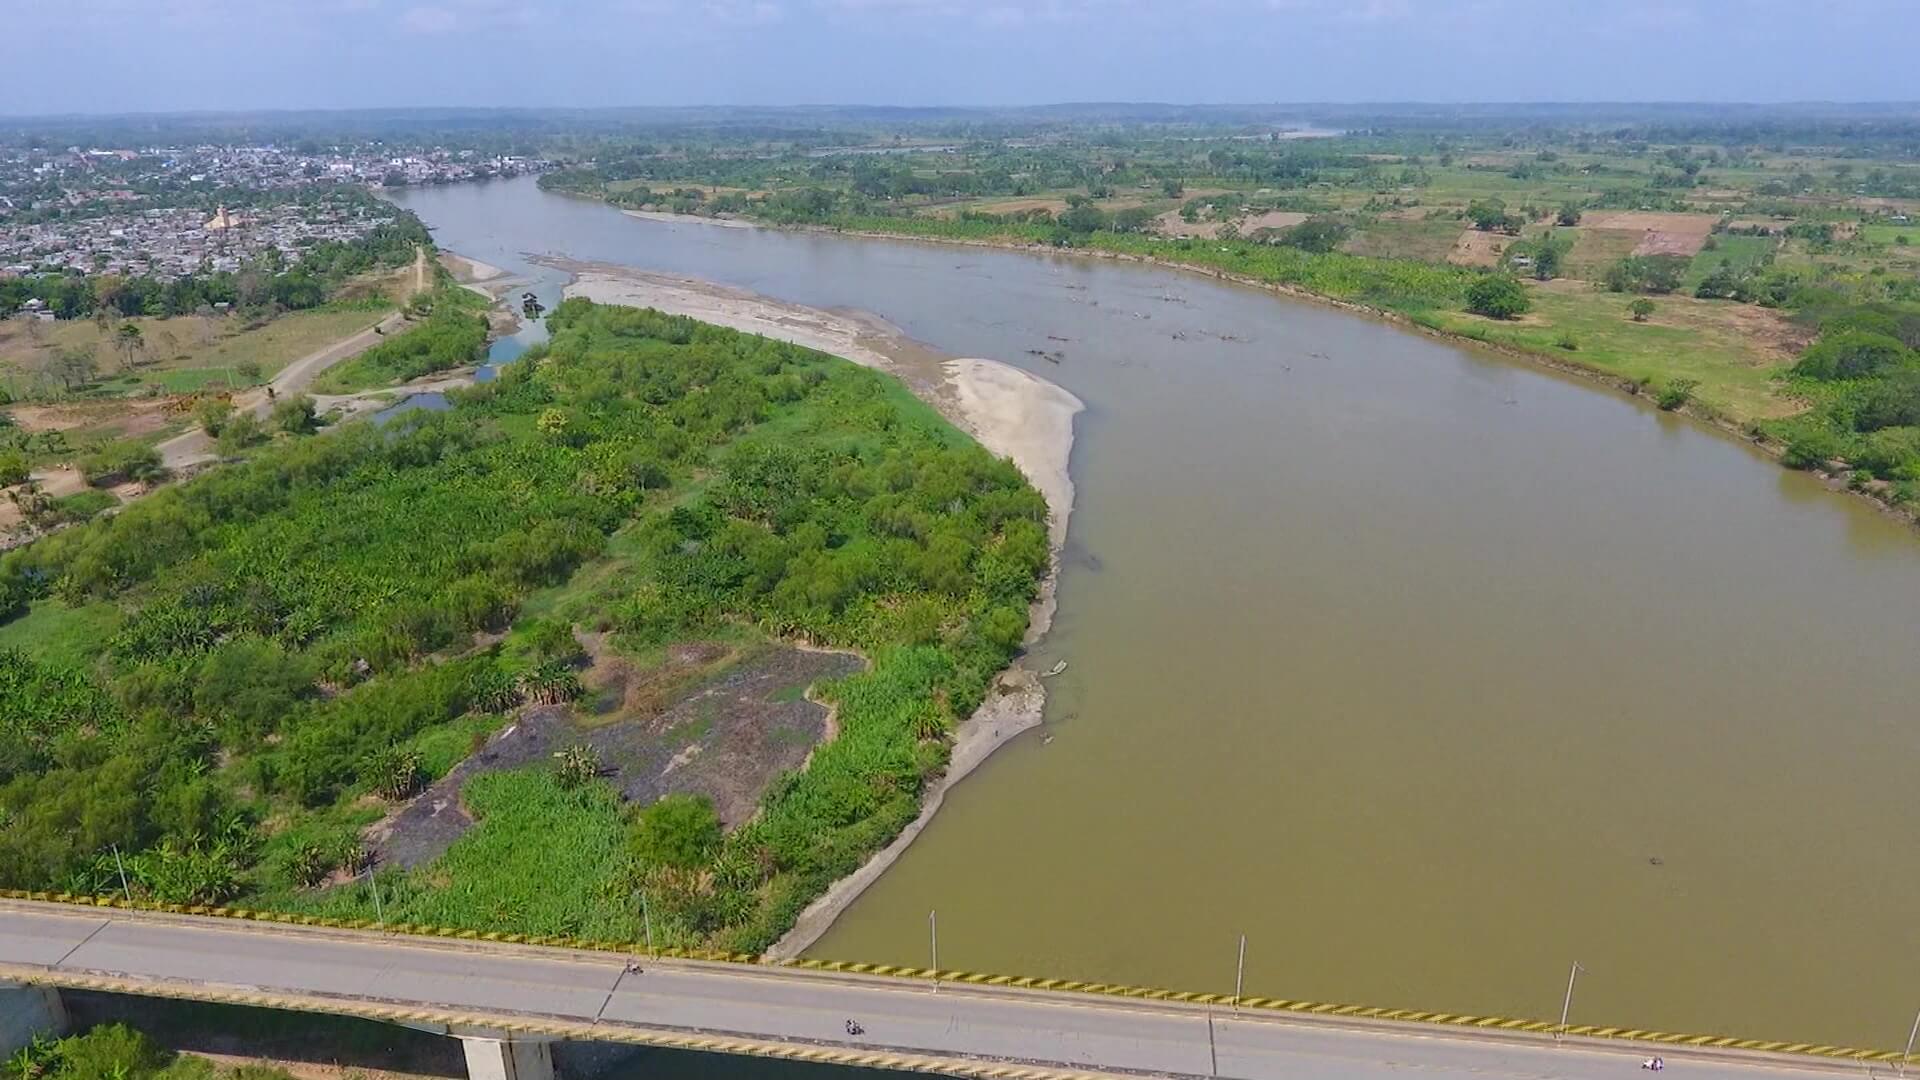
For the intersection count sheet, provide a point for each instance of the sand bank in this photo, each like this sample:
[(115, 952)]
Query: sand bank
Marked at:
[(1012, 412), (698, 219), (470, 271)]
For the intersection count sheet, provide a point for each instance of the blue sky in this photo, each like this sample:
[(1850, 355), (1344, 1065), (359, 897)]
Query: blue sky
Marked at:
[(142, 55)]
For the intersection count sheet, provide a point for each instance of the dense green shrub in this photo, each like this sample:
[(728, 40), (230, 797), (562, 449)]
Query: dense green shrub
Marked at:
[(119, 1052), (118, 462), (212, 416), (240, 431), (1320, 233), (110, 1051), (1498, 296), (576, 765), (1893, 401), (1811, 449), (679, 831), (1658, 274), (1853, 354), (1891, 453), (1676, 393), (451, 335), (294, 415), (14, 468)]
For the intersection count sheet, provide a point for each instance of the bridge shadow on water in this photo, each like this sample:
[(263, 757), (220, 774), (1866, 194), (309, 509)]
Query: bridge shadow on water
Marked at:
[(346, 1044)]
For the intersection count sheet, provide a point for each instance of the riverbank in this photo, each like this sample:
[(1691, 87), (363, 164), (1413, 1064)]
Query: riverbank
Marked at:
[(1836, 476), (723, 222), (1011, 412), (470, 271)]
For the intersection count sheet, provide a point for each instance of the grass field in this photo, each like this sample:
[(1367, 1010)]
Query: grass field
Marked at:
[(186, 353), (1890, 235), (1742, 252), (1428, 241), (1734, 351), (68, 635), (1596, 249)]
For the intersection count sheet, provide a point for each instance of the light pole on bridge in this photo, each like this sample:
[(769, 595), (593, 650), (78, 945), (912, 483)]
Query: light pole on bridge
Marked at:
[(125, 890), (1908, 1055), (1240, 974), (1566, 1003), (373, 886)]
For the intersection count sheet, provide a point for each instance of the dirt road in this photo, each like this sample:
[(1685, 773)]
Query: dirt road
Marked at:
[(194, 447)]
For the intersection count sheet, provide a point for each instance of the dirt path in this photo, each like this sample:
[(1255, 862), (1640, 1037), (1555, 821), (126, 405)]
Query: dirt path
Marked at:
[(194, 447)]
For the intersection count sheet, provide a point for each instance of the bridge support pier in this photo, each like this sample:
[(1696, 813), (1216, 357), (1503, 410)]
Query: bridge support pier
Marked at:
[(27, 1011), (507, 1058)]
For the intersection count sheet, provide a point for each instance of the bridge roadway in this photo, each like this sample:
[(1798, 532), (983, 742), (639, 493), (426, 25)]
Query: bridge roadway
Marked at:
[(963, 1029)]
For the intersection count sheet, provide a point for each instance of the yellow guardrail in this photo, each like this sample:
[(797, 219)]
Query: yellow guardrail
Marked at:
[(559, 1029), (1024, 982)]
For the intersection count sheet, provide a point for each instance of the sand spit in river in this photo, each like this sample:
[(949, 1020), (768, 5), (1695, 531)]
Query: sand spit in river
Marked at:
[(1010, 411)]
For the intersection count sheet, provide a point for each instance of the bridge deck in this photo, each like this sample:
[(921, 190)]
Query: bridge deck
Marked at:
[(968, 1030)]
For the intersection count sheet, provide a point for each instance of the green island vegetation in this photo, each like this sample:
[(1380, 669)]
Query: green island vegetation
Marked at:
[(1721, 261), (119, 1052), (222, 686), (451, 333)]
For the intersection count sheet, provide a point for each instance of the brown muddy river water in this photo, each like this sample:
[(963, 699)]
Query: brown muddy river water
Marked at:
[(1430, 672)]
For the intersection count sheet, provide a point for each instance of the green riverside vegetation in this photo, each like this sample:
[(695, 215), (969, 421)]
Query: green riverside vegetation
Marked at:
[(119, 1052), (243, 671), (1757, 271), (452, 335)]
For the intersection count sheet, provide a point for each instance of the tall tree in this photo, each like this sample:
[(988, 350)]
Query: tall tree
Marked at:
[(131, 343), (74, 367)]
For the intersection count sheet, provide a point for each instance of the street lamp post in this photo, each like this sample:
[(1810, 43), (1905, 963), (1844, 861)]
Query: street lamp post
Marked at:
[(1908, 1055), (373, 885), (1240, 974), (122, 867), (1566, 1003)]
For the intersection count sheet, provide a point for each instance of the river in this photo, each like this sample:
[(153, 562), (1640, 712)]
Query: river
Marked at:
[(1429, 671)]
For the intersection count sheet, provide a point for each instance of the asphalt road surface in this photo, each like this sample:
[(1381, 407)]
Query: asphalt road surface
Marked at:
[(1081, 1033)]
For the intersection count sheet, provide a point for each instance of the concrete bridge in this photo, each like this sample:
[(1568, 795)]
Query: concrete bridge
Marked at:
[(509, 1003)]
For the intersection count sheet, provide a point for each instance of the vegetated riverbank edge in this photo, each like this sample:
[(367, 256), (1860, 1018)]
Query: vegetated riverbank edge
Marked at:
[(1834, 478), (1010, 411)]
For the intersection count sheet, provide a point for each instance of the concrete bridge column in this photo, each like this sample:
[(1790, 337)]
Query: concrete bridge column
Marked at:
[(507, 1059), (27, 1011)]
